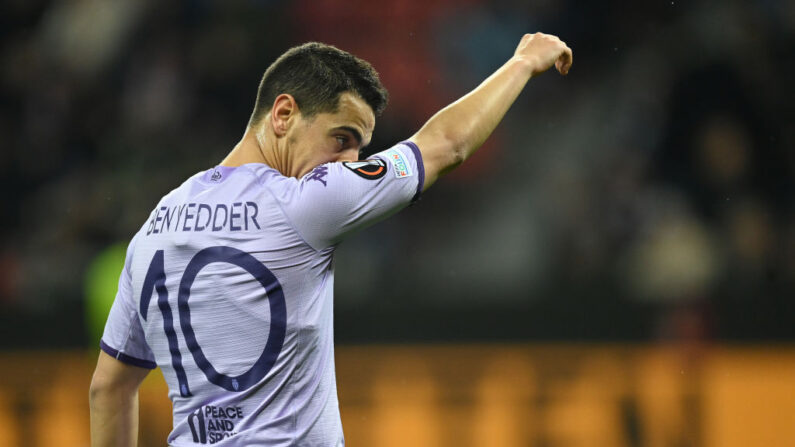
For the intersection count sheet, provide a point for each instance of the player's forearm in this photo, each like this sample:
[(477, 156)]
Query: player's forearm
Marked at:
[(466, 123), (458, 130), (114, 417)]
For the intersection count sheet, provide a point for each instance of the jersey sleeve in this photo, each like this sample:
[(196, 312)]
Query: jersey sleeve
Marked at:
[(123, 337), (337, 199)]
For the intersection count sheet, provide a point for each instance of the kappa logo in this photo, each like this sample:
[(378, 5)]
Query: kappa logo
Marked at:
[(318, 174), (372, 169)]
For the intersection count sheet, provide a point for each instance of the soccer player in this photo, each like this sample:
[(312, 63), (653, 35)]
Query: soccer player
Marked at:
[(227, 286)]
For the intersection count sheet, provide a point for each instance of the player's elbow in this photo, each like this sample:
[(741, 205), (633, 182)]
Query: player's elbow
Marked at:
[(98, 395), (99, 388), (450, 151), (441, 151), (104, 394), (457, 154), (105, 384)]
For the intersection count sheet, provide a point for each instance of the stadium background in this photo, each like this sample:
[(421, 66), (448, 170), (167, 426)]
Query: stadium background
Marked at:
[(616, 267)]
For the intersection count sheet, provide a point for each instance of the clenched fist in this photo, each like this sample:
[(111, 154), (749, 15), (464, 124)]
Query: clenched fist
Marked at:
[(540, 51)]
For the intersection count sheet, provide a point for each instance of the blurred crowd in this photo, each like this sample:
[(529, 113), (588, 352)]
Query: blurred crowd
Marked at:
[(646, 196)]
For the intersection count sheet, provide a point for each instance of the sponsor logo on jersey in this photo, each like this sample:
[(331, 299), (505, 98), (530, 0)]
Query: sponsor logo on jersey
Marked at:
[(372, 169), (210, 424), (399, 162)]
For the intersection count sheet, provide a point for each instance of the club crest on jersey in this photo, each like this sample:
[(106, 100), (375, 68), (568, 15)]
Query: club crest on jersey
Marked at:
[(372, 169), (399, 162)]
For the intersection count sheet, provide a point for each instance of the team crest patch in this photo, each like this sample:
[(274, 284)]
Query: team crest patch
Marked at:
[(372, 169), (399, 162)]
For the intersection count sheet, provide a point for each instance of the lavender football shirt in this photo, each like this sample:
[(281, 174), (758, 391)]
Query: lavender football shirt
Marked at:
[(228, 288)]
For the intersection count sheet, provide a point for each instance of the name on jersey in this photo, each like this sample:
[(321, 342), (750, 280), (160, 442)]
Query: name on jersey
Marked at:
[(198, 217)]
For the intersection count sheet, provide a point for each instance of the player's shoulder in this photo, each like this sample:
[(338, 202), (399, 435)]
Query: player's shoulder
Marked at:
[(219, 176), (266, 175)]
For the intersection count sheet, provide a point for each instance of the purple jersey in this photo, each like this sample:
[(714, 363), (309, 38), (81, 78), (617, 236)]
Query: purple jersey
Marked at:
[(228, 289)]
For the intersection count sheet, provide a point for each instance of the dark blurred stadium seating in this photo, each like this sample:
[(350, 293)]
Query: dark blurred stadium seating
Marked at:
[(653, 183)]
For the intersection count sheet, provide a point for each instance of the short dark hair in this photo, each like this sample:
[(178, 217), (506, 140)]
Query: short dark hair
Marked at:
[(316, 74)]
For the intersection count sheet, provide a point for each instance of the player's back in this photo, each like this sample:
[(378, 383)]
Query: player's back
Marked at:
[(219, 271), (228, 288)]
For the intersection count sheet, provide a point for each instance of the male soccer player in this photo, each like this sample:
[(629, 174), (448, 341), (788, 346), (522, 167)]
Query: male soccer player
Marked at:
[(227, 286)]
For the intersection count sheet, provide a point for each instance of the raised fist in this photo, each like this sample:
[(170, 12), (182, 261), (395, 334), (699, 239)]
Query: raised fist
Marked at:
[(542, 50)]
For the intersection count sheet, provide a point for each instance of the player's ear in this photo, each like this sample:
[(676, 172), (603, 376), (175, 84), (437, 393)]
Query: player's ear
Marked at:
[(283, 112)]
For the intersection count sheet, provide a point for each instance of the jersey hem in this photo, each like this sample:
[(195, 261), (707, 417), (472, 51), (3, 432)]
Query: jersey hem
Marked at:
[(124, 358)]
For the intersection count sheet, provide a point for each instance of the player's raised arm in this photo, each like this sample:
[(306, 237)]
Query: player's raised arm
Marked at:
[(458, 130)]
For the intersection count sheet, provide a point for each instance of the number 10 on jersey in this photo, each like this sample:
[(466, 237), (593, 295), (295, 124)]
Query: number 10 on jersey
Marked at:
[(155, 281)]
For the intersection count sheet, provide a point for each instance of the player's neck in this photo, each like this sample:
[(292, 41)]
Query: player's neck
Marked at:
[(252, 148)]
